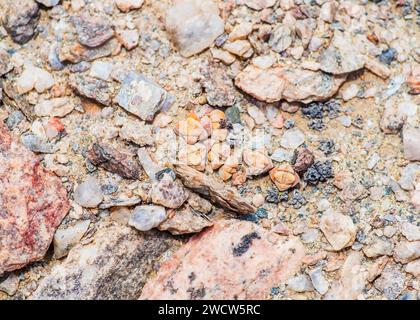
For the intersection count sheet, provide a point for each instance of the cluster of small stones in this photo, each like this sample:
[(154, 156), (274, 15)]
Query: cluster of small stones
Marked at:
[(298, 122)]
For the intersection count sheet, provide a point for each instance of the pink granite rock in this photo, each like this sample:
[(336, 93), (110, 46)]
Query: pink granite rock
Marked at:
[(32, 204), (231, 260)]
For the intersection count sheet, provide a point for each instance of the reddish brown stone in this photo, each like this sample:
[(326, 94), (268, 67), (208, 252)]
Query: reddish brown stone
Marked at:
[(113, 161), (231, 260), (32, 204)]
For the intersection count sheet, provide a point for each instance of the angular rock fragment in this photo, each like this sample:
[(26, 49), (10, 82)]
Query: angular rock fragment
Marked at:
[(378, 247), (213, 190), (307, 86), (33, 203), (91, 88), (391, 282), (184, 221), (137, 132), (114, 161), (92, 31), (341, 56), (142, 97), (338, 229), (194, 25), (75, 52), (246, 262), (281, 38), (114, 266), (410, 231), (65, 239), (406, 251), (411, 141), (168, 192), (56, 107), (218, 86), (145, 218), (21, 19), (264, 85), (374, 66), (149, 166), (258, 163), (5, 62)]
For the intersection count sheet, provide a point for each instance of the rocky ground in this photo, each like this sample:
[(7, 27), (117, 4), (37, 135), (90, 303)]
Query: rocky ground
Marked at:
[(203, 149)]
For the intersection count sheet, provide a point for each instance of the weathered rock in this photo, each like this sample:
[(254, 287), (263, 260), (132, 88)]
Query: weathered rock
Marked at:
[(194, 25), (95, 89), (168, 192), (57, 107), (9, 284), (184, 221), (92, 31), (411, 141), (114, 266), (33, 77), (410, 231), (5, 62), (218, 86), (318, 280), (149, 166), (413, 267), (374, 66), (405, 251), (33, 203), (352, 281), (35, 143), (409, 175), (378, 247), (259, 4), (142, 97), (300, 283), (247, 261), (391, 282), (74, 52), (258, 163), (128, 5), (137, 132), (264, 85), (240, 31), (101, 70), (292, 138), (65, 239), (341, 56), (338, 229), (240, 48), (281, 38), (88, 194), (128, 38), (307, 86), (145, 218), (212, 189), (413, 79), (21, 19), (114, 161)]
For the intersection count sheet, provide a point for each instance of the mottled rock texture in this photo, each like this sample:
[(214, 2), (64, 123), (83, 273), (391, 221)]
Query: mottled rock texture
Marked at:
[(231, 260), (114, 266), (32, 204)]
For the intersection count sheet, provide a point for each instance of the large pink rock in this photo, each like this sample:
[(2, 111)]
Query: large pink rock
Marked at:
[(32, 204), (231, 260)]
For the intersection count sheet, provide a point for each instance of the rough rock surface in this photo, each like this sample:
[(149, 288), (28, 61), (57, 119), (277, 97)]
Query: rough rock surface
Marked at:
[(247, 261), (338, 229), (33, 202), (113, 161), (114, 266), (212, 189), (141, 96), (194, 25), (21, 19)]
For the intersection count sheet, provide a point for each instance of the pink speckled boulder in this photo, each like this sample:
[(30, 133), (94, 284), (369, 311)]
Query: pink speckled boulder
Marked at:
[(231, 260), (32, 204)]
